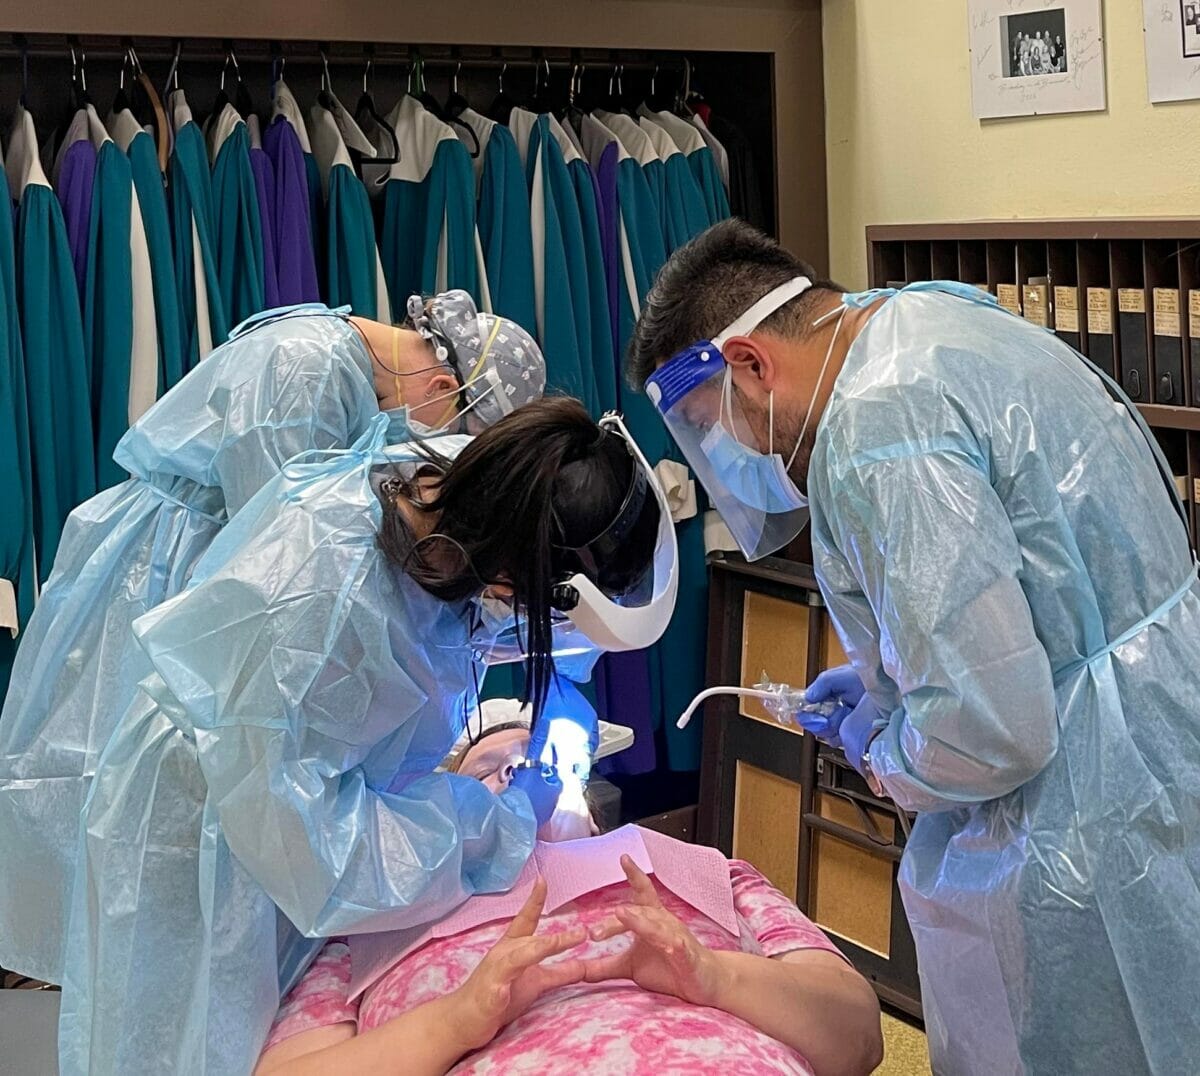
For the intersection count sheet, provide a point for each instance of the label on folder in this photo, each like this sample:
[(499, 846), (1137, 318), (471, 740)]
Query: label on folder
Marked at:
[(1066, 310), (1131, 300), (1194, 314), (1009, 296), (1166, 312), (1099, 309), (1036, 306)]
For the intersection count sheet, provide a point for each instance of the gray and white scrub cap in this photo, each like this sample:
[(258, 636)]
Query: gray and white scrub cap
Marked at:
[(497, 363)]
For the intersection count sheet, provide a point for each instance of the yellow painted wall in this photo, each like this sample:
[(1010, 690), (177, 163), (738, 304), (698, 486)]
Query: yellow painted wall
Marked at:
[(904, 148)]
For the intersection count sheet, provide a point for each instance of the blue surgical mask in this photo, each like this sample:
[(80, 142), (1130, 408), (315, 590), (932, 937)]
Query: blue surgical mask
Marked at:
[(757, 481)]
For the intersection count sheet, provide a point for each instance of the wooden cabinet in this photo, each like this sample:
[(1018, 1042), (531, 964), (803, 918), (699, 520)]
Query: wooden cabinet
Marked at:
[(770, 795)]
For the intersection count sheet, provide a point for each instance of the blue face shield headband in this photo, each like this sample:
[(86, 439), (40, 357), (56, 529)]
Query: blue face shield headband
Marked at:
[(751, 490)]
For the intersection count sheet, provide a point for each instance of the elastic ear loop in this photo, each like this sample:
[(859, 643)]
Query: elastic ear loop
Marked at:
[(487, 347), (396, 362), (840, 313)]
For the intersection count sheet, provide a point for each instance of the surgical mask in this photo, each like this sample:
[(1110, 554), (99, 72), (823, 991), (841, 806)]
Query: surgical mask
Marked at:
[(756, 480)]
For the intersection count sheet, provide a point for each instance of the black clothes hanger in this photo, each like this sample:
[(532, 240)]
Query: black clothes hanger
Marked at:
[(367, 115), (432, 105), (122, 102), (658, 99), (325, 93), (241, 100), (572, 113), (456, 103), (79, 91), (540, 102), (502, 106), (615, 101)]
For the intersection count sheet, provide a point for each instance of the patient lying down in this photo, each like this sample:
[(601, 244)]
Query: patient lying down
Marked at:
[(628, 978)]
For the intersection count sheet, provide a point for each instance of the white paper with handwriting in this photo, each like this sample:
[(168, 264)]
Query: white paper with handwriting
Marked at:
[(1035, 57)]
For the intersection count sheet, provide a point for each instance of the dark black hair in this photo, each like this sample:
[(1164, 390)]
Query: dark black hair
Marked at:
[(709, 282), (510, 509)]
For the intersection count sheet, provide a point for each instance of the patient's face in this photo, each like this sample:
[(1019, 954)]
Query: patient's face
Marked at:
[(493, 759)]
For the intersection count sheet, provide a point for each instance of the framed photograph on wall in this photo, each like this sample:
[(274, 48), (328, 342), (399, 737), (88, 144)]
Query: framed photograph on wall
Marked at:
[(1029, 60), (1172, 49)]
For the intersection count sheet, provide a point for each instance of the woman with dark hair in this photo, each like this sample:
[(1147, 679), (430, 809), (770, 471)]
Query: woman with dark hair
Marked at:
[(275, 780), (287, 381)]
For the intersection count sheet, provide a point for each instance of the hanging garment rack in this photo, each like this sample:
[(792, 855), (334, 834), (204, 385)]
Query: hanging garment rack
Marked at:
[(342, 54)]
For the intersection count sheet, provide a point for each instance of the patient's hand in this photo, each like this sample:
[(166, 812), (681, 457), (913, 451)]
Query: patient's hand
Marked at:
[(665, 956), (512, 977)]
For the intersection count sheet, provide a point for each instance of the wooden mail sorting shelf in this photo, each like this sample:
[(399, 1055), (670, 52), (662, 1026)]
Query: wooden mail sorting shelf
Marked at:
[(770, 795), (1124, 292)]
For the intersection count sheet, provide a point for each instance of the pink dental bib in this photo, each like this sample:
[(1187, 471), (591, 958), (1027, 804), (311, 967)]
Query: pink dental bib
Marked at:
[(697, 875)]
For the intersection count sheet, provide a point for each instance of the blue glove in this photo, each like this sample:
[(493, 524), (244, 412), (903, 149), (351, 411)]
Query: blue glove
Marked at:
[(570, 726), (543, 787), (857, 729), (841, 684)]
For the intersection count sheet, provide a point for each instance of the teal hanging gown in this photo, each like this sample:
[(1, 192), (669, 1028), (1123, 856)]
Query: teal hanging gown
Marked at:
[(638, 145), (151, 199), (429, 242), (17, 578), (202, 317), (676, 662), (57, 397), (354, 273), (562, 325), (684, 212), (503, 219), (119, 324), (700, 160), (594, 282), (237, 225)]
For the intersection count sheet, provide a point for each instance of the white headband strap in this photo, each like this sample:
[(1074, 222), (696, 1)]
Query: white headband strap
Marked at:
[(763, 309)]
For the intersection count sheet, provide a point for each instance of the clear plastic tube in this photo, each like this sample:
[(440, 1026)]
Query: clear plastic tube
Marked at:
[(782, 701)]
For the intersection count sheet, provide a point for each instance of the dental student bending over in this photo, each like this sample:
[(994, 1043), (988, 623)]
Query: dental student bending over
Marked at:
[(633, 973), (1000, 545), (288, 381), (274, 781)]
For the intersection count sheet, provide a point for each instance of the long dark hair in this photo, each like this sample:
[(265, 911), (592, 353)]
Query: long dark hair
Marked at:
[(510, 509)]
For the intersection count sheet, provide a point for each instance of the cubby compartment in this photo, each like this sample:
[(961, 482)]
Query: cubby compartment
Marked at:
[(1125, 293)]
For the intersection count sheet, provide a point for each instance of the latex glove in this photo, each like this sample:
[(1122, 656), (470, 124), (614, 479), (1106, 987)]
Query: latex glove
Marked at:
[(841, 684), (568, 731), (543, 787), (856, 731)]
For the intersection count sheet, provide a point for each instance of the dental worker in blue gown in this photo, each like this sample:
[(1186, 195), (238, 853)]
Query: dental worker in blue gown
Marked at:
[(1000, 544), (288, 381)]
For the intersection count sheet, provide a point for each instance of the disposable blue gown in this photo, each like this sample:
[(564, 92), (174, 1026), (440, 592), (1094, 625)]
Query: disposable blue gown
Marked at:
[(1008, 572), (280, 760), (198, 456)]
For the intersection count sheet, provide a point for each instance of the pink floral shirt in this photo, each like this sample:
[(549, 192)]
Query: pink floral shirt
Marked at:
[(613, 1028)]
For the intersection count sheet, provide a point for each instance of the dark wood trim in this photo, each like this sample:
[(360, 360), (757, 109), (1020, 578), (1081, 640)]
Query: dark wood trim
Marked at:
[(1161, 416), (679, 823), (1081, 228)]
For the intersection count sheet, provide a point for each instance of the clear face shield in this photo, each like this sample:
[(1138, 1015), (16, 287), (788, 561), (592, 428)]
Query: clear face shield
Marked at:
[(750, 490)]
